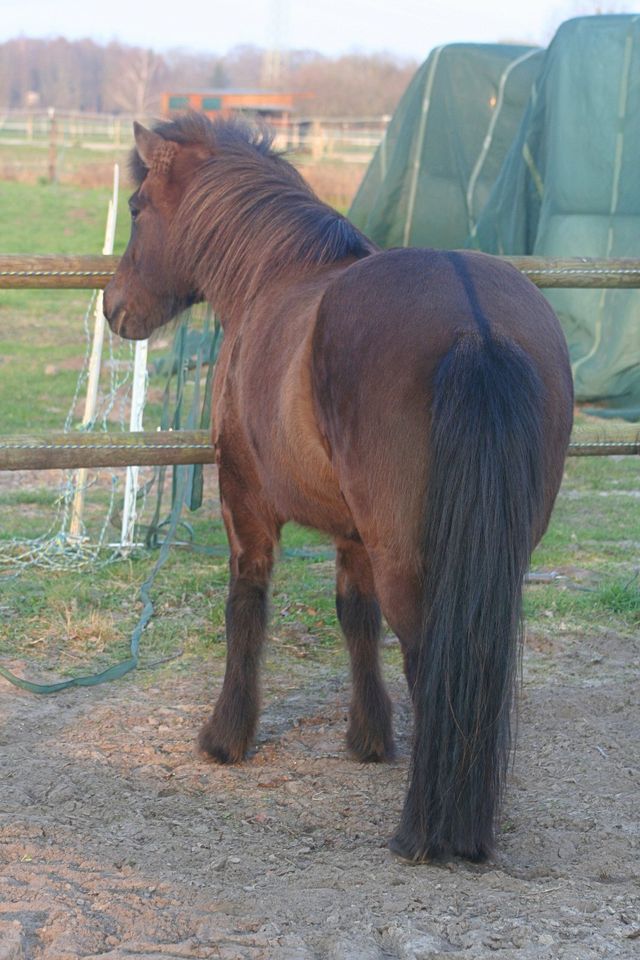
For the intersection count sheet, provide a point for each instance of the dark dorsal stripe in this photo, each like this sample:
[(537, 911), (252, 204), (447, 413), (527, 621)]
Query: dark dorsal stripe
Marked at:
[(460, 266)]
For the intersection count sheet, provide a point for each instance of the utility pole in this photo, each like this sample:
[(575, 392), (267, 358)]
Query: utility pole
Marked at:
[(275, 64)]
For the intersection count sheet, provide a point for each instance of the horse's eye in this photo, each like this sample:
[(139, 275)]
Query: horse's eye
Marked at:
[(134, 212)]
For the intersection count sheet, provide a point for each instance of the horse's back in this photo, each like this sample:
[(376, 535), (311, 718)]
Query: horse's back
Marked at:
[(405, 300)]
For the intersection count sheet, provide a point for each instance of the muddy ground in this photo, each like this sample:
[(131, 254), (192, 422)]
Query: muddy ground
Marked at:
[(117, 842)]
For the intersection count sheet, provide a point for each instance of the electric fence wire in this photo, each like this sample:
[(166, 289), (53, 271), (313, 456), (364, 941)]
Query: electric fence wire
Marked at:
[(57, 550)]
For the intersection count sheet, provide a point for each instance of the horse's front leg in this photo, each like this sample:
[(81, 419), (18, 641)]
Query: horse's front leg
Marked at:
[(369, 734), (253, 534)]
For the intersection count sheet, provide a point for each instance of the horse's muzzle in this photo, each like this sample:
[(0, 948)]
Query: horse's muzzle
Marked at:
[(116, 316)]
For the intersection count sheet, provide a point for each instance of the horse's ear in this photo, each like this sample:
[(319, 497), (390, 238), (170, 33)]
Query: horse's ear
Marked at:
[(155, 152), (146, 143)]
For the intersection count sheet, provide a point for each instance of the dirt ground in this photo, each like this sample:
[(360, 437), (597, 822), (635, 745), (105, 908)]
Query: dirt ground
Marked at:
[(117, 842)]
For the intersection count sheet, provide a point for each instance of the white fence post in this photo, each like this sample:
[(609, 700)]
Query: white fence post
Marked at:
[(91, 399), (138, 397)]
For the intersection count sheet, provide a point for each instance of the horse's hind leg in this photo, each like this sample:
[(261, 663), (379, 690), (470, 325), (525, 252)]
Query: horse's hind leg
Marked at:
[(369, 735), (253, 533)]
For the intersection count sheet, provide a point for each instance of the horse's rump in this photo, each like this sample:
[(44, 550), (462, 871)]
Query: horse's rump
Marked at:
[(383, 328)]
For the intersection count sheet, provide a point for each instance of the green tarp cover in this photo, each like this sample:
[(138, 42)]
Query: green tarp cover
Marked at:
[(570, 187), (445, 145), (521, 151)]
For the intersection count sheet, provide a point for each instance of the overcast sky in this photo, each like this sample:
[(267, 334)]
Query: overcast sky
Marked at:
[(409, 28)]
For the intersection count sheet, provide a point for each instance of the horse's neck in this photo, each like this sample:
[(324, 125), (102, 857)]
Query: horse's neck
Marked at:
[(297, 290)]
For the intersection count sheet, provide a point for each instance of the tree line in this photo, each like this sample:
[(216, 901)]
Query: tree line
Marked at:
[(115, 78)]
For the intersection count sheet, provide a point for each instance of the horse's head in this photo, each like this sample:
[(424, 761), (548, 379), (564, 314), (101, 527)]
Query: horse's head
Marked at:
[(150, 287)]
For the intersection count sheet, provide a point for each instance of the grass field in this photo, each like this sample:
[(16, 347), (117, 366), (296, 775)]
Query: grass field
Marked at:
[(69, 621)]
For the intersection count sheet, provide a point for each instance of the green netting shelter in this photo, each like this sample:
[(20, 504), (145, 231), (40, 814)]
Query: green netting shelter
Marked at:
[(445, 145), (570, 187)]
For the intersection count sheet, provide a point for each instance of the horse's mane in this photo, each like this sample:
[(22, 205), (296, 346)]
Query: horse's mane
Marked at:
[(248, 216)]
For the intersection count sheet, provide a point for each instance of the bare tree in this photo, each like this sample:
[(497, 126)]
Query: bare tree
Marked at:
[(135, 76), (354, 85)]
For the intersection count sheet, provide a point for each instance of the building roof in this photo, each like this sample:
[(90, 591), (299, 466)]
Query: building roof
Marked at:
[(233, 91)]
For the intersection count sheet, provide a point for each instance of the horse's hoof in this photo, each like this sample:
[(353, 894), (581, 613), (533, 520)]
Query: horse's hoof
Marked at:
[(414, 853), (372, 752), (211, 747), (413, 847), (368, 748), (408, 853)]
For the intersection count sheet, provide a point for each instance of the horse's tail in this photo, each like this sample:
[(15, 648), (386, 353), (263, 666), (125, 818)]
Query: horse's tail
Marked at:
[(484, 497)]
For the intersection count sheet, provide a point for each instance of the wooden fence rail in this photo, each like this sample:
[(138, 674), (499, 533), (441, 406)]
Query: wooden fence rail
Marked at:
[(94, 272), (56, 273), (66, 451)]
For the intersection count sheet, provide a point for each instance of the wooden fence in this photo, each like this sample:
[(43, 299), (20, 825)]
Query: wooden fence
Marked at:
[(94, 272), (70, 451)]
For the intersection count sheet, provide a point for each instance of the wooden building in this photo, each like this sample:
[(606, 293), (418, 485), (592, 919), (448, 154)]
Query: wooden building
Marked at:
[(275, 108)]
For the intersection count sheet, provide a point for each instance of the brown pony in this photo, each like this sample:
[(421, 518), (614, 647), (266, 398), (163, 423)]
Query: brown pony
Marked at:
[(414, 404)]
